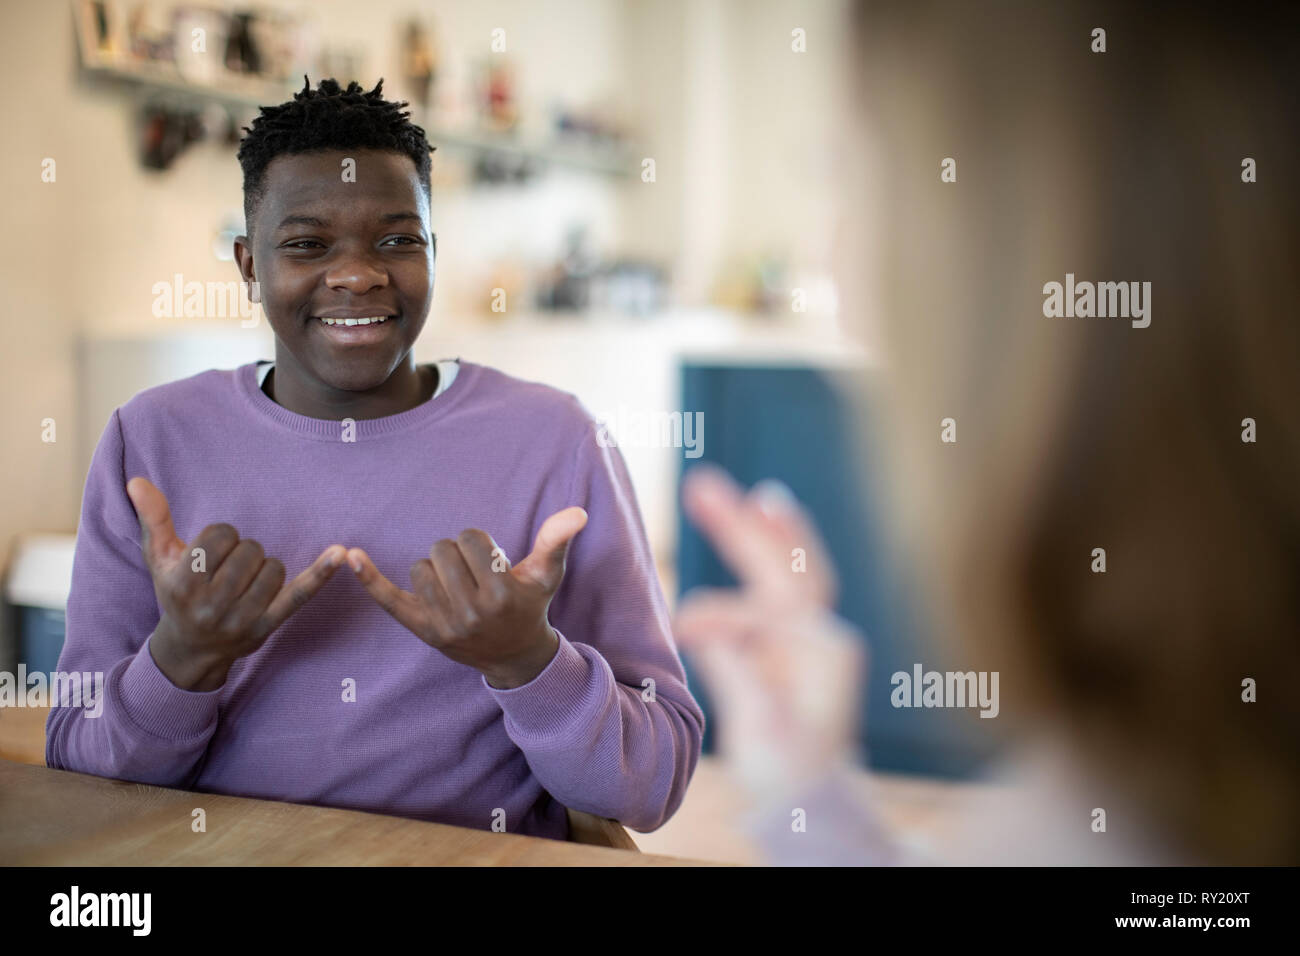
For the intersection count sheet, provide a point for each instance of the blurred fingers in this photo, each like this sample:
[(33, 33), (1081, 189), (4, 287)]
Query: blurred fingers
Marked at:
[(765, 538)]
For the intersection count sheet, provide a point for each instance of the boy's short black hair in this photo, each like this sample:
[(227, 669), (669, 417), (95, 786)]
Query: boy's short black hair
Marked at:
[(328, 118)]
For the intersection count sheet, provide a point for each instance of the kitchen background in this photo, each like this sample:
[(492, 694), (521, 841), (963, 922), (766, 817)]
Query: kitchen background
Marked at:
[(537, 189), (705, 287)]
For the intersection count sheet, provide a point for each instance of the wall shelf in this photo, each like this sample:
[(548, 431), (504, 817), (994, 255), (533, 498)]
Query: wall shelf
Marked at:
[(246, 94)]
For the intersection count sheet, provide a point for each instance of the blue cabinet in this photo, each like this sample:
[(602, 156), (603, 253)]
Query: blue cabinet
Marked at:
[(798, 424)]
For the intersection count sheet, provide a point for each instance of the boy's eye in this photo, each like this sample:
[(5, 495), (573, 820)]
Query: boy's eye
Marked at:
[(317, 244)]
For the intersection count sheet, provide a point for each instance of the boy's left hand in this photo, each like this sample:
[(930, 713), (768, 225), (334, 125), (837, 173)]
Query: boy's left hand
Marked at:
[(471, 605)]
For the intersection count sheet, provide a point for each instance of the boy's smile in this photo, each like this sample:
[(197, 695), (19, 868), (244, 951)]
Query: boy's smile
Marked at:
[(345, 266)]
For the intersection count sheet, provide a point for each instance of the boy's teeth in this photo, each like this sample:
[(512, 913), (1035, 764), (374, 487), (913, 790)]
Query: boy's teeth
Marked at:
[(366, 321)]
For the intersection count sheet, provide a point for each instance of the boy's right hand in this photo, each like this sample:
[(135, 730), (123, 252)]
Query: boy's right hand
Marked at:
[(214, 616)]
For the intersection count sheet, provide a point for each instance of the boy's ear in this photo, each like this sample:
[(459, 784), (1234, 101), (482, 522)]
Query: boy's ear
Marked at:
[(244, 259)]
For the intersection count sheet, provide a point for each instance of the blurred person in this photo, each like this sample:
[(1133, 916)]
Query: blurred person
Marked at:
[(1130, 690)]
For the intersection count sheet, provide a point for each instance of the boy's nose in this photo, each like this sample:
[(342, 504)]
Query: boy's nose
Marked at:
[(356, 274)]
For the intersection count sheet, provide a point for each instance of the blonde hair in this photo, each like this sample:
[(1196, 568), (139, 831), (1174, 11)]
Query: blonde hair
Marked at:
[(1082, 433)]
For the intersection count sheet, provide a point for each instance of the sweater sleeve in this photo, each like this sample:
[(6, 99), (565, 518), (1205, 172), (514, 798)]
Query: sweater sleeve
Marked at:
[(141, 727), (609, 726)]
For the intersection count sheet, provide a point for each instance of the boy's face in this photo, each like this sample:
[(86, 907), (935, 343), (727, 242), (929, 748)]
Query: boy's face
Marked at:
[(323, 246)]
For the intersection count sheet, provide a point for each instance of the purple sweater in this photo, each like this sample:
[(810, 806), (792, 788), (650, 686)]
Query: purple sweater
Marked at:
[(425, 737)]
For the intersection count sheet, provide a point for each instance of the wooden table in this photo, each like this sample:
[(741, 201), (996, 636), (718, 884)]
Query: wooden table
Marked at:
[(53, 817), (81, 821)]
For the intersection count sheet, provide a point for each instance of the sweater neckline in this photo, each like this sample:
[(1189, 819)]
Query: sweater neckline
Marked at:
[(327, 429)]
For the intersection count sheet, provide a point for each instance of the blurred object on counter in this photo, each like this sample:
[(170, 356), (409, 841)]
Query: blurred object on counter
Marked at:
[(773, 290), (242, 54), (580, 281), (165, 133), (632, 287), (191, 49), (100, 29), (756, 284), (283, 43), (595, 127), (498, 110), (567, 286), (495, 167), (420, 63), (769, 285), (147, 37)]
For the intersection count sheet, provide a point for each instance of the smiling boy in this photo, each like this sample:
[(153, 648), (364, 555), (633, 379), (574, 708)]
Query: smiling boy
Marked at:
[(529, 664)]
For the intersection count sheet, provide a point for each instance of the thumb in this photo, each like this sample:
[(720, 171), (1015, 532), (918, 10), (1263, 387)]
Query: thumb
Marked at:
[(544, 566), (158, 538)]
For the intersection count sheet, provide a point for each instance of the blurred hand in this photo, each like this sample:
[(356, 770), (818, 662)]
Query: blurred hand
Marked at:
[(222, 606), (761, 536), (471, 605), (784, 670)]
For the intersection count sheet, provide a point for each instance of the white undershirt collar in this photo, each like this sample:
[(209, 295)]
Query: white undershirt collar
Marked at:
[(447, 369)]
